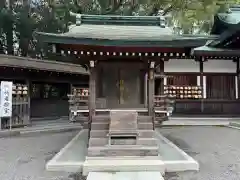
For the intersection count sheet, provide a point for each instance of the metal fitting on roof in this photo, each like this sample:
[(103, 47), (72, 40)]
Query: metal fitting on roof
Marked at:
[(78, 19)]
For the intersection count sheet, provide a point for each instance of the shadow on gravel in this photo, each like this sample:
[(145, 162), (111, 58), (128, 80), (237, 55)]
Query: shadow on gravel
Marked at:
[(77, 176), (180, 175), (182, 145), (50, 155)]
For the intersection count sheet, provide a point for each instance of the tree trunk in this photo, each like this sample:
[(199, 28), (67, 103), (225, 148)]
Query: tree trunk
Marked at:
[(9, 33)]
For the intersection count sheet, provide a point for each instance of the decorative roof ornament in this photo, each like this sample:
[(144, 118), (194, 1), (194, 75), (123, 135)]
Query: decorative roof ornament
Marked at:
[(162, 18), (78, 18)]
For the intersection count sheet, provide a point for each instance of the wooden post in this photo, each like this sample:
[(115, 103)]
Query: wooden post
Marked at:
[(238, 78), (201, 82), (145, 90), (92, 94), (29, 86), (151, 88), (162, 79), (70, 115)]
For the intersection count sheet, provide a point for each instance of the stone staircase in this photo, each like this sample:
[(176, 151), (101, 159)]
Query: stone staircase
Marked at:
[(100, 143)]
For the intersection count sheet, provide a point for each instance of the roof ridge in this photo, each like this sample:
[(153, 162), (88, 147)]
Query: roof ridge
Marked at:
[(120, 20)]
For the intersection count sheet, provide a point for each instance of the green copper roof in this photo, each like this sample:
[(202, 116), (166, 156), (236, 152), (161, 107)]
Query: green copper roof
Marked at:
[(226, 20), (121, 20), (123, 31), (211, 51)]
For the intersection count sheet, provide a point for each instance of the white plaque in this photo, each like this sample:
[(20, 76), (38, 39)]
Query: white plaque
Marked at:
[(6, 99)]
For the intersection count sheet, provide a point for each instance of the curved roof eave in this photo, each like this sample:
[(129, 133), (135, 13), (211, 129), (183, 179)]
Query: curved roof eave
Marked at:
[(161, 41)]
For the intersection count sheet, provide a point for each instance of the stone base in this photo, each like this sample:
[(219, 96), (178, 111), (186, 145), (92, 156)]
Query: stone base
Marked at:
[(72, 158), (134, 164), (151, 175)]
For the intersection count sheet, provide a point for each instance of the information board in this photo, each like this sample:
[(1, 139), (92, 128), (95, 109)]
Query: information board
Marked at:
[(6, 99)]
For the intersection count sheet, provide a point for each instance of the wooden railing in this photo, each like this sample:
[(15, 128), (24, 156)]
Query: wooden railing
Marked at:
[(163, 102)]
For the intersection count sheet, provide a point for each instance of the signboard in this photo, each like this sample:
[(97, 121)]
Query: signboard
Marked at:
[(6, 99)]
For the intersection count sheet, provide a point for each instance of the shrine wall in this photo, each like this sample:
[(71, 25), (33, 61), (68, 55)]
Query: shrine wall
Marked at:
[(181, 65), (191, 66), (219, 66)]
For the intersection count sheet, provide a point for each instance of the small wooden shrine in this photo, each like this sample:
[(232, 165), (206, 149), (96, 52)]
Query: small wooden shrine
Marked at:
[(122, 54), (128, 57)]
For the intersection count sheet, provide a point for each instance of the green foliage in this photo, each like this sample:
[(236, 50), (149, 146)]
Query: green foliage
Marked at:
[(20, 20)]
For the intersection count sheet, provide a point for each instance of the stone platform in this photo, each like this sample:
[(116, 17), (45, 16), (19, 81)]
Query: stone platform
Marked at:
[(72, 158), (125, 176)]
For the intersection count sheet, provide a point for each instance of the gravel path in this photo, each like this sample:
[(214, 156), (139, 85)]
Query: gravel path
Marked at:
[(217, 149), (24, 158)]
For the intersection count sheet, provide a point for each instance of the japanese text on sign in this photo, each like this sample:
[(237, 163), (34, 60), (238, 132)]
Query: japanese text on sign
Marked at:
[(6, 99)]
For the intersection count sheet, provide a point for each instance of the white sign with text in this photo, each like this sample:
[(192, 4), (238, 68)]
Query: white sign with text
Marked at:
[(6, 99)]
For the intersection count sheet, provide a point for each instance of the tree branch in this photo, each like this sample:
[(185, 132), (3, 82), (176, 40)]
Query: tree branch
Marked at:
[(167, 10), (153, 12), (114, 7)]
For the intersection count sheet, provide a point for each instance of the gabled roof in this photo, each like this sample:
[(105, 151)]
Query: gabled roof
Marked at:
[(228, 26), (217, 52), (38, 64), (226, 20), (123, 31)]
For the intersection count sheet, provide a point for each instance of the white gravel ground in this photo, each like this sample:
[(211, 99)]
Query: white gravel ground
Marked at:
[(24, 158), (217, 149)]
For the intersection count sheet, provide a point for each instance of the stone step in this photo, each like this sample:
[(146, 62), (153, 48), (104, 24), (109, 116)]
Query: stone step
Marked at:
[(122, 151), (105, 126), (93, 142), (104, 133), (144, 119), (145, 126), (147, 141), (96, 142), (101, 117), (153, 169), (100, 126)]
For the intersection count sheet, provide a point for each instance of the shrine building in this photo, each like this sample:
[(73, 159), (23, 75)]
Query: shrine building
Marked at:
[(200, 72)]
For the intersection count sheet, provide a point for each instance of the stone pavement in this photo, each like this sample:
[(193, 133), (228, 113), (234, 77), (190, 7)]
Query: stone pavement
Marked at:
[(42, 127), (199, 121)]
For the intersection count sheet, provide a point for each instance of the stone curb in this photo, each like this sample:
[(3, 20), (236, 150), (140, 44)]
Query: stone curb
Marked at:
[(233, 127), (28, 132), (190, 125), (234, 124)]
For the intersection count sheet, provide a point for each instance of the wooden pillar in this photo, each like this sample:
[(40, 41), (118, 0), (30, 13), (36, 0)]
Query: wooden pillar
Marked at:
[(92, 94), (151, 88), (28, 117), (70, 115), (201, 82), (162, 79), (146, 90), (238, 78)]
